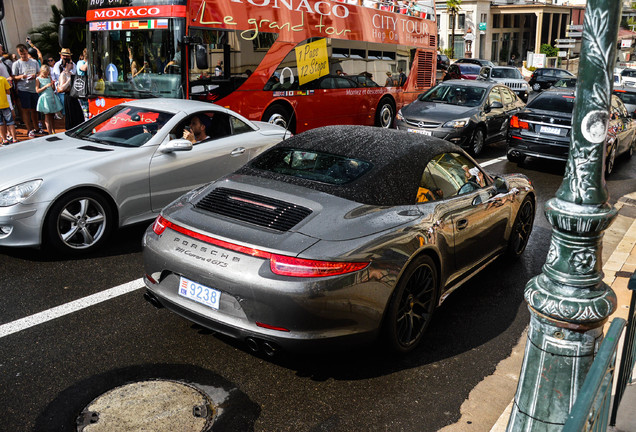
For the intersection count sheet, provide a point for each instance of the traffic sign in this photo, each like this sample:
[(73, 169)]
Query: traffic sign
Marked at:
[(573, 34), (562, 53), (565, 40), (575, 27), (564, 45)]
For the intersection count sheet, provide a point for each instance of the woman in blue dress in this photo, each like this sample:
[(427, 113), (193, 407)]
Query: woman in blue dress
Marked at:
[(48, 102)]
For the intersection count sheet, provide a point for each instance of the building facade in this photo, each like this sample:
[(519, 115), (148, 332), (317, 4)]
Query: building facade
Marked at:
[(20, 16)]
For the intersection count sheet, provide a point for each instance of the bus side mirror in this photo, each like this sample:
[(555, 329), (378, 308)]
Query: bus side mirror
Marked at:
[(201, 55), (64, 36)]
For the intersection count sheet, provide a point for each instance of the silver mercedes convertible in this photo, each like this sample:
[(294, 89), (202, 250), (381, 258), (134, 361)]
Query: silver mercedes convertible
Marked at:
[(338, 234), (70, 190)]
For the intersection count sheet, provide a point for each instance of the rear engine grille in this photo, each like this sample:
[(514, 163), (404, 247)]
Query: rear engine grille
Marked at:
[(252, 208)]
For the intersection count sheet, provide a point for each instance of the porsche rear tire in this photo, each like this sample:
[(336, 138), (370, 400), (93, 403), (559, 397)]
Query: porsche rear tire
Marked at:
[(412, 305), (521, 229)]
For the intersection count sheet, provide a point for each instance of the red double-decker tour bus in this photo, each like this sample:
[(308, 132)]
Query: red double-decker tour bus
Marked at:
[(298, 63)]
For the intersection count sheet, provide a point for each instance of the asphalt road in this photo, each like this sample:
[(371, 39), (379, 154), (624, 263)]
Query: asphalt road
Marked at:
[(51, 371)]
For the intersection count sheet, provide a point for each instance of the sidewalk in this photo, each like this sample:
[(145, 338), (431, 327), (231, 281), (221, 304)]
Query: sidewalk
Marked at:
[(490, 402), (22, 132)]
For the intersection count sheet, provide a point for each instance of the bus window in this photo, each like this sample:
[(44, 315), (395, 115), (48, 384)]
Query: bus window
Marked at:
[(132, 63), (231, 60)]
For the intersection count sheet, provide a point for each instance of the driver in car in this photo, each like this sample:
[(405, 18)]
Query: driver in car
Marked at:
[(199, 127)]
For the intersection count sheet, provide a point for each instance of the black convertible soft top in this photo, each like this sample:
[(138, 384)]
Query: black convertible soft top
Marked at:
[(398, 159)]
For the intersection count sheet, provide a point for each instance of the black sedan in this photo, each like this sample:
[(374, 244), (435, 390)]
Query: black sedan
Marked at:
[(544, 78), (339, 234), (543, 129), (467, 113)]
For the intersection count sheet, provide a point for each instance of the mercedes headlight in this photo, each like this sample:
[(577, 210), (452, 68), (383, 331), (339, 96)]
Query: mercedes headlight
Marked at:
[(459, 123), (18, 193)]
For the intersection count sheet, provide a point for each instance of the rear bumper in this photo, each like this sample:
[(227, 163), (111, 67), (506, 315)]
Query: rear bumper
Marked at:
[(537, 147)]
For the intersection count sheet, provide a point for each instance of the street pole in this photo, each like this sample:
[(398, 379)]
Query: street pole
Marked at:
[(569, 303)]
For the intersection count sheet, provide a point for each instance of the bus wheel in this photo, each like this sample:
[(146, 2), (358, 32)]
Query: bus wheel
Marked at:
[(281, 116), (385, 113)]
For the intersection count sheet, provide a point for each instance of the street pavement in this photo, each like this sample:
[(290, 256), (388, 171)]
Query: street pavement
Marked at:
[(489, 404)]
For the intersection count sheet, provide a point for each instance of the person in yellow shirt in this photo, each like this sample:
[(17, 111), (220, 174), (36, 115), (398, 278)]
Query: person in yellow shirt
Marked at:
[(6, 118)]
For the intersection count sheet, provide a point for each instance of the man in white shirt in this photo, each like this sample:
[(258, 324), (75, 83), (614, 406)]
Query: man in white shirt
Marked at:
[(24, 72)]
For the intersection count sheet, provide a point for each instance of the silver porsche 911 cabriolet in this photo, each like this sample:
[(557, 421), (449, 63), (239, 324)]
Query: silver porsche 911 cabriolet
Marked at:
[(336, 234), (70, 190)]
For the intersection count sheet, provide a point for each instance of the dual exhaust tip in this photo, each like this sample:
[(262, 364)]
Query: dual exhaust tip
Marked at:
[(255, 345)]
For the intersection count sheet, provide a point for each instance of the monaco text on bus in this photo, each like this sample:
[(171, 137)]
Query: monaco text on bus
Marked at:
[(298, 63)]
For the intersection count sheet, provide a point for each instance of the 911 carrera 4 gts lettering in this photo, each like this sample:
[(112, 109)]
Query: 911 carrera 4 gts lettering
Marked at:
[(187, 247)]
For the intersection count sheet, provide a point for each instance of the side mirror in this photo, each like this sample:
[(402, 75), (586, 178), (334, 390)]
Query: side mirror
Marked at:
[(175, 145), (496, 105), (64, 35), (201, 55), (500, 185)]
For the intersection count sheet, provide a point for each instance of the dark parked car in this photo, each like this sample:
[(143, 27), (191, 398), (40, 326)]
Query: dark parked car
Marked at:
[(467, 113), (478, 62), (508, 76), (544, 78), (628, 96), (462, 71), (443, 62), (543, 129), (342, 234), (565, 83)]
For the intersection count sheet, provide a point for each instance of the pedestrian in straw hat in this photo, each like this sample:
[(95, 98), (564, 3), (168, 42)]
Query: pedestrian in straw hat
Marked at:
[(65, 55)]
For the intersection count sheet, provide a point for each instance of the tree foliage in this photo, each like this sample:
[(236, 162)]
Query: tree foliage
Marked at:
[(453, 7), (549, 50), (45, 36)]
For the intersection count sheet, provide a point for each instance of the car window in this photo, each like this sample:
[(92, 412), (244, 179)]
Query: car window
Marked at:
[(448, 175), (506, 73), (507, 96), (217, 125), (494, 96), (470, 69), (631, 73), (563, 74), (454, 94), (553, 102), (316, 166), (239, 126), (618, 107), (125, 126)]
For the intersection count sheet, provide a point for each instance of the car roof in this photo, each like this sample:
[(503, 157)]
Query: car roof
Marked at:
[(472, 83), (171, 105), (398, 159)]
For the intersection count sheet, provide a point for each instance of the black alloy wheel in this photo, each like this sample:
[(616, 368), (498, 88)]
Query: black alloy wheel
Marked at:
[(412, 305), (521, 229), (477, 143)]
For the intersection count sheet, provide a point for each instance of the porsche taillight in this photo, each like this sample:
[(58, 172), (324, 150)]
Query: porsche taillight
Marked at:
[(518, 124), (159, 226), (298, 267), (279, 264)]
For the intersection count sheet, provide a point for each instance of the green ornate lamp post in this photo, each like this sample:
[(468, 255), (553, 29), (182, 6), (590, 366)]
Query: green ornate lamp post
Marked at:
[(568, 302)]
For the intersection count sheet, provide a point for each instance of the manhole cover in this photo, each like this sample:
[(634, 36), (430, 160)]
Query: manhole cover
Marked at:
[(158, 406)]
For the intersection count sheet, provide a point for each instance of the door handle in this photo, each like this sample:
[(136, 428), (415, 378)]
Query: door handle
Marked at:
[(238, 151), (462, 223)]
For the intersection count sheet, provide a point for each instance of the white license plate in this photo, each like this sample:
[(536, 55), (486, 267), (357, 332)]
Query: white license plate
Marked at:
[(420, 131), (199, 293), (550, 130)]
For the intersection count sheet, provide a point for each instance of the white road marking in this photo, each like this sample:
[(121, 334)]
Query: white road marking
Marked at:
[(494, 161), (68, 308), (76, 305)]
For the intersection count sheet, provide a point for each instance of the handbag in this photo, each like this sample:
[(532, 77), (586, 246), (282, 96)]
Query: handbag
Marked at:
[(79, 87)]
